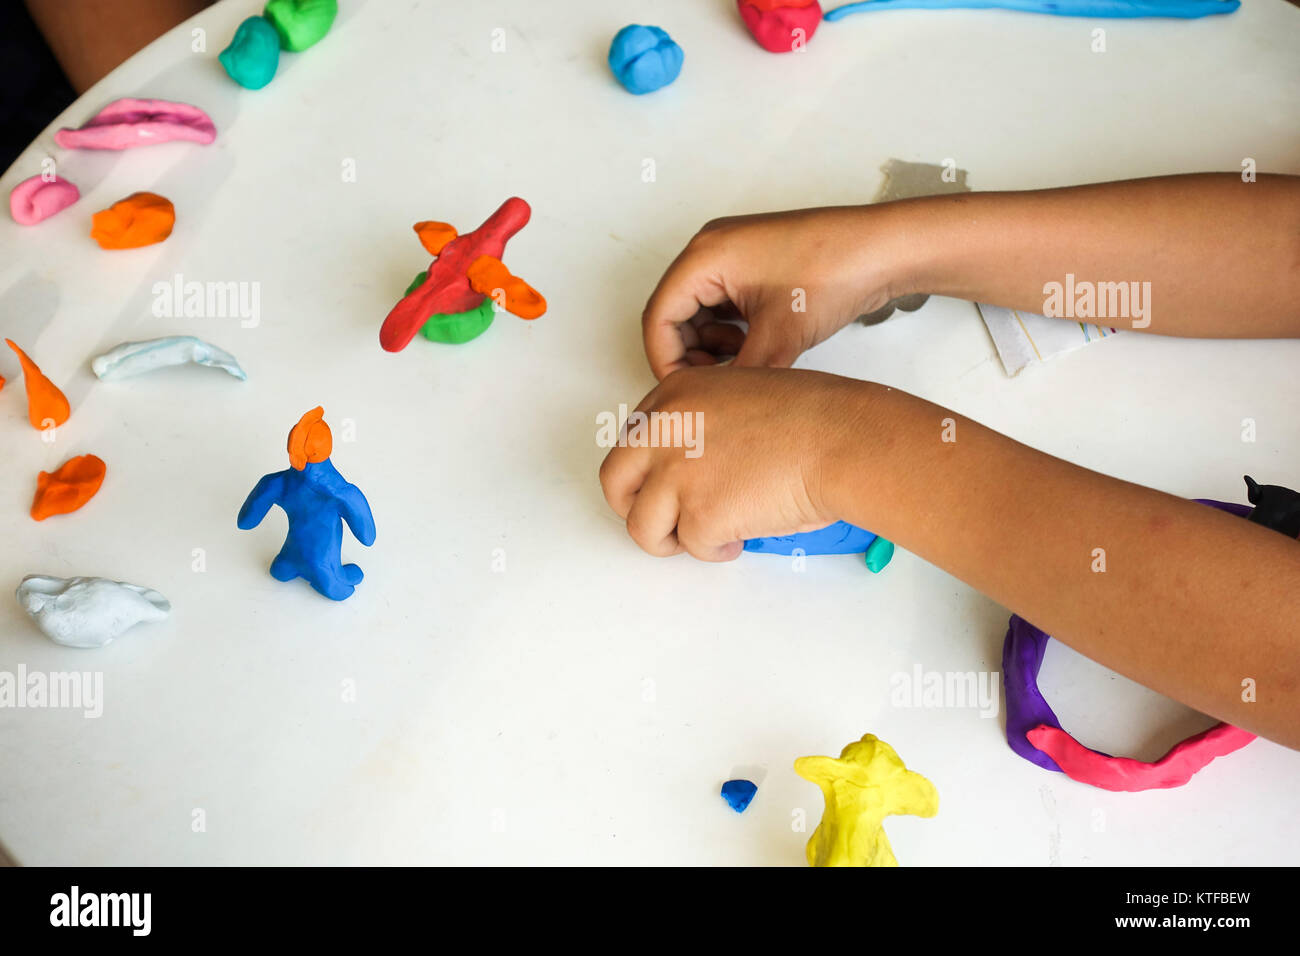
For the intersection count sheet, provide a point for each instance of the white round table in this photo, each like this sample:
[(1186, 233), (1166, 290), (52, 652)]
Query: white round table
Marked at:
[(514, 681)]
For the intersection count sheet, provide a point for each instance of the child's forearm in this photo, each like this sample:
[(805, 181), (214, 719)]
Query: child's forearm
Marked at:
[(91, 37), (1191, 601), (1222, 256)]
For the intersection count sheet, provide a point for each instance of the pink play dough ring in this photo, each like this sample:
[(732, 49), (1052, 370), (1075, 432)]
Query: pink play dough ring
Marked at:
[(1174, 769), (39, 198)]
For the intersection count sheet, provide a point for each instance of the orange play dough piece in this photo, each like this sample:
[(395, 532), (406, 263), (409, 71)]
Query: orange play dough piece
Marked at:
[(487, 274), (434, 235), (140, 219), (45, 403), (67, 489), (310, 440)]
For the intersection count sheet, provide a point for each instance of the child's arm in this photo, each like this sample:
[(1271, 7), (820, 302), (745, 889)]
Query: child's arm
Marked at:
[(1191, 603), (91, 37), (1222, 258)]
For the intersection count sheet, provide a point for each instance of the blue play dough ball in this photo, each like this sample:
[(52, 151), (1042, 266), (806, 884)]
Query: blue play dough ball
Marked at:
[(644, 59), (738, 793)]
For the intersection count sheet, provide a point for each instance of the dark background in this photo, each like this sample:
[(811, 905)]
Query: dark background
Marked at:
[(33, 89)]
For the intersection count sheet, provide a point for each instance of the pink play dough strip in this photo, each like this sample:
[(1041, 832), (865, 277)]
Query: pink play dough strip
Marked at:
[(1123, 773), (37, 198), (126, 123)]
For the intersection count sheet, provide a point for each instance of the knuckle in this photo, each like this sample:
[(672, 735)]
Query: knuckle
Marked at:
[(784, 354), (709, 235), (636, 528), (674, 383)]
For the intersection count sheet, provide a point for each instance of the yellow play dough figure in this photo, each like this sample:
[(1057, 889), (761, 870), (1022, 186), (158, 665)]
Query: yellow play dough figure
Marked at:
[(866, 784)]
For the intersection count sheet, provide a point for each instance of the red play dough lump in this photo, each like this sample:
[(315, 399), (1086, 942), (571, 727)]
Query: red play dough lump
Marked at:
[(67, 489), (140, 219), (45, 403), (774, 22)]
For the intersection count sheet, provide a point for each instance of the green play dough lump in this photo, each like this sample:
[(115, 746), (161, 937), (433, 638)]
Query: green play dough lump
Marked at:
[(879, 554), (301, 23), (455, 328), (253, 54)]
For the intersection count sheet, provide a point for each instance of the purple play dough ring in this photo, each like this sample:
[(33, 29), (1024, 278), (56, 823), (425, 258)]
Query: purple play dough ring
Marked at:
[(1022, 656)]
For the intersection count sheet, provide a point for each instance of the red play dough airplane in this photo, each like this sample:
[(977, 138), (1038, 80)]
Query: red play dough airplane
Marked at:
[(466, 269)]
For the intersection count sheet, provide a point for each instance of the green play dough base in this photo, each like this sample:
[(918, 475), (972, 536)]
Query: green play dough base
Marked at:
[(455, 328), (879, 553), (301, 23)]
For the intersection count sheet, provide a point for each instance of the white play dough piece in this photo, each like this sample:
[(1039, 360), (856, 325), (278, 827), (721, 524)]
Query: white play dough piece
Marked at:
[(136, 358), (88, 612)]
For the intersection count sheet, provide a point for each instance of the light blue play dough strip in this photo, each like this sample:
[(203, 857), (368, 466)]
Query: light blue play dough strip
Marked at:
[(1112, 9), (136, 358), (839, 538)]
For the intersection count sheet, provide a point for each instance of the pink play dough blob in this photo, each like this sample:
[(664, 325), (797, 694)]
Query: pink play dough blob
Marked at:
[(123, 124), (38, 198)]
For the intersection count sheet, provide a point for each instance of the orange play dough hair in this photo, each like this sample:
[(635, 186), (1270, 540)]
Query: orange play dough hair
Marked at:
[(140, 219), (68, 488), (45, 403), (310, 440)]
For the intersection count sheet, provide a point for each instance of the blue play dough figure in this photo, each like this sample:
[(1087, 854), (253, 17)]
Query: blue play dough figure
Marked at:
[(839, 538), (317, 500), (644, 59)]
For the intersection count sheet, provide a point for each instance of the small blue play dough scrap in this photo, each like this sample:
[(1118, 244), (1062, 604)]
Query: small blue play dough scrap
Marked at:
[(738, 794), (644, 59), (253, 54)]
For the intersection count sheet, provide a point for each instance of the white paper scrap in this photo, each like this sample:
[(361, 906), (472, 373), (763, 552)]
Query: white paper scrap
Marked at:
[(1025, 338)]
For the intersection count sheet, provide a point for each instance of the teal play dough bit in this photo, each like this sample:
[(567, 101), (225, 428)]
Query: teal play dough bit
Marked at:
[(301, 23), (253, 54), (455, 328), (879, 553)]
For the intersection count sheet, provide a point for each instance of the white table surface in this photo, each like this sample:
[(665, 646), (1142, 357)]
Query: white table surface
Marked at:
[(585, 705)]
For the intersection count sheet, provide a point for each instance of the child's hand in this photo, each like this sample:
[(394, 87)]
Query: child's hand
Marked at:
[(769, 446), (795, 277)]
